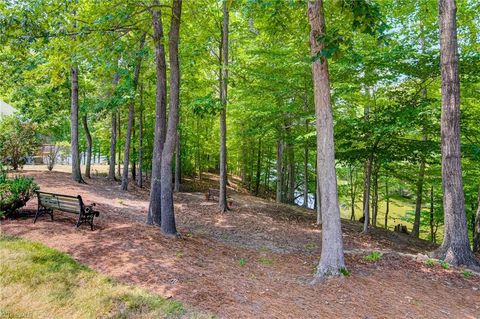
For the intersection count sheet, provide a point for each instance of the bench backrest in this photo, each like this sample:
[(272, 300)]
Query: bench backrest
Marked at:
[(72, 204)]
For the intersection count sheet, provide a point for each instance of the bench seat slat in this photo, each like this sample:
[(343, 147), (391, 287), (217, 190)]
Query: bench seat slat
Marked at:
[(65, 199)]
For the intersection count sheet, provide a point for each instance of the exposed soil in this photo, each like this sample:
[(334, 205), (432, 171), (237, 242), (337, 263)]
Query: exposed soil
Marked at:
[(256, 261)]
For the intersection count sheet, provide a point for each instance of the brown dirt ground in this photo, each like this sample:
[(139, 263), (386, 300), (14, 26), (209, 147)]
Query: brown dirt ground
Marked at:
[(280, 246)]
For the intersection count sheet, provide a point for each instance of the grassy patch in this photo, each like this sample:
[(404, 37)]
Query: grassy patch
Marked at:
[(40, 282), (373, 256), (265, 261)]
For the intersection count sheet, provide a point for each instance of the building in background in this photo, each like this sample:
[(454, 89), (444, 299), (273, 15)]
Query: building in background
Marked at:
[(6, 109)]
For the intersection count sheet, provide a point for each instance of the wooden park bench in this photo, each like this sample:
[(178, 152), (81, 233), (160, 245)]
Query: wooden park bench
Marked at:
[(48, 202)]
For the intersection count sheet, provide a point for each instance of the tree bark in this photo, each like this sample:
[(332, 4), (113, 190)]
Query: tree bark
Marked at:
[(119, 146), (154, 211), (352, 193), (376, 169), (387, 210), (76, 173), (332, 257), (418, 205), (290, 171), (259, 167), (140, 141), (178, 164), (455, 248), (131, 117), (432, 232), (89, 147), (279, 197), (168, 226), (113, 147), (222, 201), (366, 192)]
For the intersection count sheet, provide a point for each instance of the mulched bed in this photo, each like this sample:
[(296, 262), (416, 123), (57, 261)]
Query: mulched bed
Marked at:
[(256, 261)]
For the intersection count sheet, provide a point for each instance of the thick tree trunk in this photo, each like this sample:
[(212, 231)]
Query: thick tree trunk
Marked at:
[(131, 117), (89, 147), (418, 206), (332, 258), (113, 147), (140, 141), (178, 164), (305, 175), (279, 197), (168, 214), (154, 211), (222, 200), (76, 173), (455, 248)]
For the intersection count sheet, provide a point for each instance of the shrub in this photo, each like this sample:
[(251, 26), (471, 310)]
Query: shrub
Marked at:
[(18, 139), (15, 192)]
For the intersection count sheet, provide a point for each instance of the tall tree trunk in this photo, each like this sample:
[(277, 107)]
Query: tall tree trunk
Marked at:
[(154, 211), (178, 164), (418, 205), (113, 133), (332, 258), (291, 172), (140, 141), (222, 201), (119, 146), (376, 169), (455, 248), (279, 197), (366, 192), (352, 193), (305, 176), (259, 167), (76, 173), (168, 214), (387, 210), (131, 116), (432, 231), (113, 146), (89, 147)]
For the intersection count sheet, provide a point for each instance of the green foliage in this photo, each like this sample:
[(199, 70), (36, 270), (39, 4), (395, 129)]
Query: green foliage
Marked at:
[(242, 262), (429, 262), (467, 273), (373, 256), (15, 193), (444, 264), (344, 272), (18, 139)]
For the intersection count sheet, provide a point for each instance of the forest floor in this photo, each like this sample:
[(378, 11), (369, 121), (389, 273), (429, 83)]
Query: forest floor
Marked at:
[(256, 261)]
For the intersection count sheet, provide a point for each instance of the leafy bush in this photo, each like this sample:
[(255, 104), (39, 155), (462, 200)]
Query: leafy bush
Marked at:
[(15, 192), (18, 139)]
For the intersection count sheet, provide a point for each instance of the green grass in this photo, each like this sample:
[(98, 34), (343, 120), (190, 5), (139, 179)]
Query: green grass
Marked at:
[(373, 256), (40, 282)]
